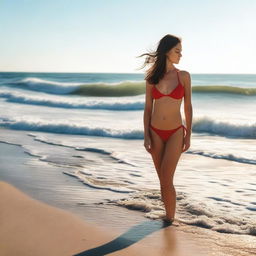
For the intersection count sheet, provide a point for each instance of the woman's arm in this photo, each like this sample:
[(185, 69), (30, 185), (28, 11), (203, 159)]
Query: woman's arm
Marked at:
[(188, 110), (147, 109)]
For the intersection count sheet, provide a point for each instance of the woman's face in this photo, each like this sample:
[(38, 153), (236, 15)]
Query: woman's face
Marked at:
[(174, 54)]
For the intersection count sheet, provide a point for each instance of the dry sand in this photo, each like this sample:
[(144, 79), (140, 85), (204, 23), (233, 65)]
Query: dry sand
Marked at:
[(30, 227)]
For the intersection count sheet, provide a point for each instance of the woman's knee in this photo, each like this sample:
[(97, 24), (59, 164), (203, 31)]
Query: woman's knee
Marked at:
[(166, 184), (167, 173), (157, 162)]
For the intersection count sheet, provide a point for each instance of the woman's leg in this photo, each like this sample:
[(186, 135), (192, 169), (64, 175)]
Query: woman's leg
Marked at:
[(172, 152), (157, 151)]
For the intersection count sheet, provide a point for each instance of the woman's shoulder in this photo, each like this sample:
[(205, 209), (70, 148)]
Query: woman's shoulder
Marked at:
[(184, 73), (185, 76), (149, 84)]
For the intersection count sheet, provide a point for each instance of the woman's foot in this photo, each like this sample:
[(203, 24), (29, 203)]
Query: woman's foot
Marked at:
[(168, 220)]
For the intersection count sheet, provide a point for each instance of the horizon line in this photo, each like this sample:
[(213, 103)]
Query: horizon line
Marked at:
[(118, 72)]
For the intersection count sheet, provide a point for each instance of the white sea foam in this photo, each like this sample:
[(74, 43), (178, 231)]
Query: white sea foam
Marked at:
[(230, 157), (99, 183), (208, 125), (200, 125), (64, 102), (67, 128), (189, 211), (111, 154), (123, 88)]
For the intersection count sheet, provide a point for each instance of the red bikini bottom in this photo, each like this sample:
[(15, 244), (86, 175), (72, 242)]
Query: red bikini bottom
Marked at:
[(165, 134)]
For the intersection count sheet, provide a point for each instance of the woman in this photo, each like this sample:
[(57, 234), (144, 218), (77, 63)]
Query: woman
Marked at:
[(165, 138)]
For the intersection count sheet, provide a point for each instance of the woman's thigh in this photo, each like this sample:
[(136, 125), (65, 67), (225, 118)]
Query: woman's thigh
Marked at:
[(157, 150), (171, 155)]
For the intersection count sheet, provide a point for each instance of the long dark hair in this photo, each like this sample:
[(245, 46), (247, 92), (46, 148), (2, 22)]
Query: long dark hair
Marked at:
[(158, 58)]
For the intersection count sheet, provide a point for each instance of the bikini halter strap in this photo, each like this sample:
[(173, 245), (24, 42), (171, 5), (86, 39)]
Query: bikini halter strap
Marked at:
[(178, 75)]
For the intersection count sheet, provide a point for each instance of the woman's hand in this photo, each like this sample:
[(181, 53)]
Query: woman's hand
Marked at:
[(147, 144), (186, 143)]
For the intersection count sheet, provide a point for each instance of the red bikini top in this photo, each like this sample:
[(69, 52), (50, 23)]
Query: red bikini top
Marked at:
[(177, 93)]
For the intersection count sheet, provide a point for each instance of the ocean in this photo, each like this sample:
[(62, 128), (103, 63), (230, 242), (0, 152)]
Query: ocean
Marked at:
[(91, 126)]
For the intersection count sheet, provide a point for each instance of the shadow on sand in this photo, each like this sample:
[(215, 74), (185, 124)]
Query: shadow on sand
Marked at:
[(128, 238)]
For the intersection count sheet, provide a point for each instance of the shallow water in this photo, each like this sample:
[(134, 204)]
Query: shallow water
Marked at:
[(98, 140)]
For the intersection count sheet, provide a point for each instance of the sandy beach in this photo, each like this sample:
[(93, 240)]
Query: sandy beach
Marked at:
[(81, 82), (30, 226)]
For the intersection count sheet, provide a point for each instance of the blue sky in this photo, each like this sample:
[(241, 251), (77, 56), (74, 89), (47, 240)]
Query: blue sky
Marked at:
[(107, 35)]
